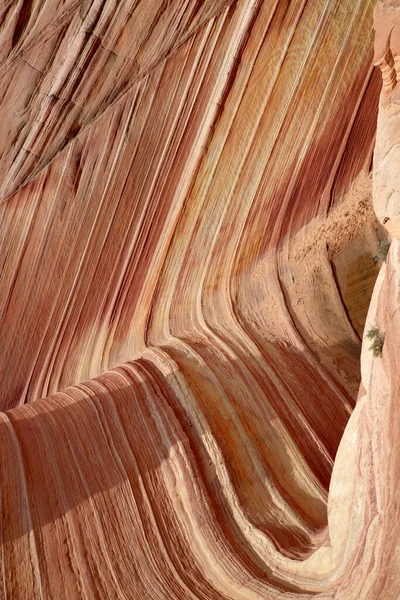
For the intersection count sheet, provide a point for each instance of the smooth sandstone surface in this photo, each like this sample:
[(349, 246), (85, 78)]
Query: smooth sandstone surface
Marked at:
[(186, 243)]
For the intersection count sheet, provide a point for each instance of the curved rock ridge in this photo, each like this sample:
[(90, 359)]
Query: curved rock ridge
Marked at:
[(145, 506), (186, 266)]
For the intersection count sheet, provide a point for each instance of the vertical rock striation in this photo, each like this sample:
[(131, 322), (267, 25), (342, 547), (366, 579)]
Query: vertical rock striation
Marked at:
[(186, 265)]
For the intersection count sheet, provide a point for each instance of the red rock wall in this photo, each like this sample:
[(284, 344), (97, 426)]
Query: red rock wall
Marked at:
[(185, 199)]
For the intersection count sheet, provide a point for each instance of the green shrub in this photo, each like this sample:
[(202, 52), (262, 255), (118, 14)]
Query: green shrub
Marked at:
[(377, 338), (382, 251)]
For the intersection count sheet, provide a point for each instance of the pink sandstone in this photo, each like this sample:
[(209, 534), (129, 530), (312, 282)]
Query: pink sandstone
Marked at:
[(186, 242)]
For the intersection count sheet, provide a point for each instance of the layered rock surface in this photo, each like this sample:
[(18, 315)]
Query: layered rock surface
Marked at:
[(186, 265)]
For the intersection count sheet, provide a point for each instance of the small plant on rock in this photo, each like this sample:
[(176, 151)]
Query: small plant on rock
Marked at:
[(378, 338), (382, 251)]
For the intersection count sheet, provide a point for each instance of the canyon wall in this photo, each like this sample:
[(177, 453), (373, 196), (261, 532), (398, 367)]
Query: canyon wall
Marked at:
[(186, 244)]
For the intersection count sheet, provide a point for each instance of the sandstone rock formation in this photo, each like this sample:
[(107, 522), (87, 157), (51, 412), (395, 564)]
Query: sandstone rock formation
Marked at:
[(186, 252)]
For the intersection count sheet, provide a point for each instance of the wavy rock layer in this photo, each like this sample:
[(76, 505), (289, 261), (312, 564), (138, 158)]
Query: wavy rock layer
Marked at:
[(186, 266)]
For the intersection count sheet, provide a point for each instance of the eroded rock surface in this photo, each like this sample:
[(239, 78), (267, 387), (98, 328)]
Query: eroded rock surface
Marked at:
[(186, 210)]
